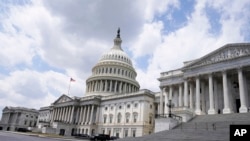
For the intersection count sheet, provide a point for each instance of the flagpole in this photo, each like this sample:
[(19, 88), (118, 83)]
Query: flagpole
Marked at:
[(69, 87)]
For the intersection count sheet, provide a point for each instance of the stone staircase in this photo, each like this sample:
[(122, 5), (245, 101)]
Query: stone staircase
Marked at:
[(200, 128)]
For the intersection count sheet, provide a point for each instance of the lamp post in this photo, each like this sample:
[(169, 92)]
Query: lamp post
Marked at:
[(170, 105)]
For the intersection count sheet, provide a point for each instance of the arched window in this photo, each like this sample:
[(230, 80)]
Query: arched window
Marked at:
[(110, 118), (135, 117), (127, 117), (119, 118), (104, 118)]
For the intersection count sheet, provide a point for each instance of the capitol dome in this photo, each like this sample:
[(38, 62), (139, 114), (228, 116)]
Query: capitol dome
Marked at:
[(113, 74)]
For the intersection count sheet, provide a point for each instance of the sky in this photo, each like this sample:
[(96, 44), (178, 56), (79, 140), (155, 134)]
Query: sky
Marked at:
[(44, 43)]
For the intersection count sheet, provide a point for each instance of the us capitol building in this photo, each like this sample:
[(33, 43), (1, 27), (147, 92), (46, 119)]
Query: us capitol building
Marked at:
[(114, 104)]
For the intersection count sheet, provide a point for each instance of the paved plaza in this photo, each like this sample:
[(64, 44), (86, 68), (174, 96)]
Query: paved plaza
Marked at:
[(16, 136)]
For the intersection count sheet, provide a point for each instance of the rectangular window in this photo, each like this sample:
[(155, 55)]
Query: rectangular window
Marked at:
[(133, 132), (125, 132)]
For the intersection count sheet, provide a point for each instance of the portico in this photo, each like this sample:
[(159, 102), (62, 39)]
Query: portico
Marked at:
[(215, 83)]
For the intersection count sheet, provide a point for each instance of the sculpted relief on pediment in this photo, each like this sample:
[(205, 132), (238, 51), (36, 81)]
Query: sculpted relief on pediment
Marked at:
[(225, 54), (63, 99)]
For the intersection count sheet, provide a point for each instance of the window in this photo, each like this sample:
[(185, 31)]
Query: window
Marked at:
[(120, 107), (125, 132), (135, 116), (106, 108), (133, 132), (27, 115), (114, 70), (128, 106), (127, 117), (151, 106), (111, 107), (110, 70), (110, 118), (25, 122), (150, 119), (119, 118), (104, 118), (135, 105)]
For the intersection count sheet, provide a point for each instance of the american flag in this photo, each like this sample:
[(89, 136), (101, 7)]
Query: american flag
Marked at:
[(72, 80)]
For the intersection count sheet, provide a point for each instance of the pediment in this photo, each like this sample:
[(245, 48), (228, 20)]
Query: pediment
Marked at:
[(62, 99), (227, 52)]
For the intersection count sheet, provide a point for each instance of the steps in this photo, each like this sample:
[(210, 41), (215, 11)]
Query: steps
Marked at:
[(200, 128)]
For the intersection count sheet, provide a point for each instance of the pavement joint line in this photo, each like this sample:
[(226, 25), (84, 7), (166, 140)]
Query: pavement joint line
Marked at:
[(42, 136)]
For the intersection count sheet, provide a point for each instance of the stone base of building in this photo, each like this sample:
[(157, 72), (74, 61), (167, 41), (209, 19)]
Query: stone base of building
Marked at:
[(162, 124)]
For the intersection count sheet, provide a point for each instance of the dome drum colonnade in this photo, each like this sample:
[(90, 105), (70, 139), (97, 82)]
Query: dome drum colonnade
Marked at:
[(114, 73)]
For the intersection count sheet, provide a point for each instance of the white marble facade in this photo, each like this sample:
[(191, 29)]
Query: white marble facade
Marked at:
[(217, 83), (14, 118), (113, 103)]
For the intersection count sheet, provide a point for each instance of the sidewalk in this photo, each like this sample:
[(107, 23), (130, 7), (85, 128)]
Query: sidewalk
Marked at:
[(41, 135)]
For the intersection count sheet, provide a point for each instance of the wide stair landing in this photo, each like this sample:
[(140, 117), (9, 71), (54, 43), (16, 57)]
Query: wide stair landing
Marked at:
[(200, 128)]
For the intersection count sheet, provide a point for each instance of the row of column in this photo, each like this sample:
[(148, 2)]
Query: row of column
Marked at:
[(84, 114), (183, 99), (111, 86)]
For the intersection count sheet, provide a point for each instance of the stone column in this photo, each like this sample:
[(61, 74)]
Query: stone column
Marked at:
[(191, 96), (69, 113), (204, 89), (96, 83), (226, 109), (243, 107), (115, 86), (72, 114), (180, 96), (216, 96), (52, 116), (63, 113), (55, 118), (185, 93), (80, 116), (166, 101), (211, 95), (87, 118), (110, 86), (161, 101), (120, 87), (97, 115), (125, 88), (66, 113), (170, 92), (84, 115), (101, 86), (106, 85), (197, 101), (60, 114), (91, 114)]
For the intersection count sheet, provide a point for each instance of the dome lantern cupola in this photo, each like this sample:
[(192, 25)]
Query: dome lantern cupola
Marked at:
[(113, 74)]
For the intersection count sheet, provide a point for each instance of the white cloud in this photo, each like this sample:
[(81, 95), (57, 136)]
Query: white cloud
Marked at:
[(192, 41), (71, 36)]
